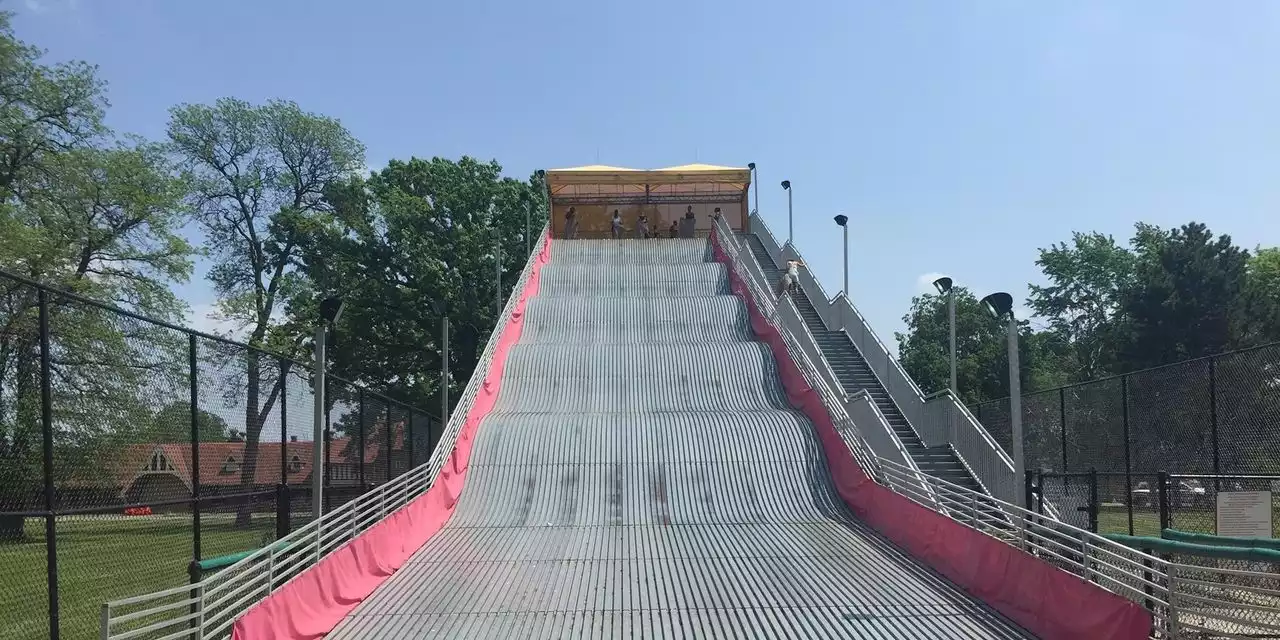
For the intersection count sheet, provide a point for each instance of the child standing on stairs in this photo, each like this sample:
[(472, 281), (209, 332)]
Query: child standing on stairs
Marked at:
[(790, 277)]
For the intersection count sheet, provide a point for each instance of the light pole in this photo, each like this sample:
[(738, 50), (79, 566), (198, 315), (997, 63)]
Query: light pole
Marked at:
[(1000, 305), (843, 221), (330, 312), (755, 181), (944, 287), (497, 277), (786, 184)]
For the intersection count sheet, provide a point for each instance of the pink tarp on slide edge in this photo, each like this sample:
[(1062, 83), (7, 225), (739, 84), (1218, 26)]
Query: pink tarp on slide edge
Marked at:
[(313, 603), (1049, 602)]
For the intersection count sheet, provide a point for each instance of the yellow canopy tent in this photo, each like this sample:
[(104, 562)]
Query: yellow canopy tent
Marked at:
[(594, 191)]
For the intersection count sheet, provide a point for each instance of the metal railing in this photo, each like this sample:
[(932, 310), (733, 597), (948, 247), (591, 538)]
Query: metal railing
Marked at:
[(939, 419), (769, 310), (1185, 600), (207, 609)]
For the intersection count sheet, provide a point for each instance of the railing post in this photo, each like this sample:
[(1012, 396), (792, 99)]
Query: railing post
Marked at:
[(1162, 483), (46, 427), (1086, 561), (104, 622), (1028, 502)]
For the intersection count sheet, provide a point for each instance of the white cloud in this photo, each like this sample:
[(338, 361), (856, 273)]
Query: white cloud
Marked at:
[(924, 283)]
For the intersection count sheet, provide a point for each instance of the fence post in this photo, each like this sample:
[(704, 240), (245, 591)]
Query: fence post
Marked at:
[(1162, 479), (46, 426), (1028, 491), (193, 372), (284, 510), (391, 441), (284, 505), (1213, 417), (409, 444), (1128, 462), (284, 421), (1093, 499), (361, 443), (1062, 424)]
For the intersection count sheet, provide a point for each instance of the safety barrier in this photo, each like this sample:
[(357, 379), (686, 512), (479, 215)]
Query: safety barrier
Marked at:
[(938, 420), (1185, 600), (205, 610)]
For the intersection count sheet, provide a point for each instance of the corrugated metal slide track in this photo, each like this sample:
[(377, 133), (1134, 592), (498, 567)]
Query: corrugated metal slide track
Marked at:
[(643, 476)]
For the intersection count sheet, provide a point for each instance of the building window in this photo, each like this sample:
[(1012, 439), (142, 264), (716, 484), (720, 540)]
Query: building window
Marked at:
[(295, 464), (159, 463), (230, 466)]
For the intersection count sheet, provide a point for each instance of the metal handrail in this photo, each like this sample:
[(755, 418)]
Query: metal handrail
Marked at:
[(769, 311), (1183, 598), (992, 469), (207, 609)]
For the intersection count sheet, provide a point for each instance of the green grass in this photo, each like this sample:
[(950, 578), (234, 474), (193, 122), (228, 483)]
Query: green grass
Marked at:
[(1115, 519), (104, 558)]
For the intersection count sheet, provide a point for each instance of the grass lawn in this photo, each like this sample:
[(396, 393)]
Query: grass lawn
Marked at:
[(103, 558), (1115, 519)]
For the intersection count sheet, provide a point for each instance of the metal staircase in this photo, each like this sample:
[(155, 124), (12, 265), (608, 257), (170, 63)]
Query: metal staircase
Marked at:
[(855, 375)]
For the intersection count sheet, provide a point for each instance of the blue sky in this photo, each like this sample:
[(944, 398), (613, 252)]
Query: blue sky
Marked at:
[(958, 136)]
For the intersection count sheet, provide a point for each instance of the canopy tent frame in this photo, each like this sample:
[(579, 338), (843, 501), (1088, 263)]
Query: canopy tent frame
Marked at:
[(694, 183)]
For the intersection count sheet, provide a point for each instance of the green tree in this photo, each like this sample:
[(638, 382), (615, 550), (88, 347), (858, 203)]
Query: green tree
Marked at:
[(1186, 298), (172, 423), (1262, 297), (1082, 302), (258, 176), (44, 110), (982, 356), (416, 241), (84, 212)]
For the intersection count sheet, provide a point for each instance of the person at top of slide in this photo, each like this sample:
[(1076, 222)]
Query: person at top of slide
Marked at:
[(688, 224), (790, 277), (570, 224), (616, 225), (642, 227)]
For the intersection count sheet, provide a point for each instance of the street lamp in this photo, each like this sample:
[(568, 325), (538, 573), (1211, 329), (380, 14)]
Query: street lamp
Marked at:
[(843, 221), (755, 181), (1000, 305), (944, 287), (330, 313), (786, 184)]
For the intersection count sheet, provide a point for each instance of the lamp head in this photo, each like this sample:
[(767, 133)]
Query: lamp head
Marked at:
[(542, 173), (751, 166), (331, 310), (786, 184), (998, 304), (943, 285), (842, 219)]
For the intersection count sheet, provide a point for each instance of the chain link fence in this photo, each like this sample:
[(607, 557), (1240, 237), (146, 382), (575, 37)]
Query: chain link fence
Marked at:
[(131, 449), (1219, 414), (1145, 504)]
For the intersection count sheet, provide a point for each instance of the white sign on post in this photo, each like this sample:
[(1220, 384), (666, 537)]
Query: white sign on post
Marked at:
[(1244, 514)]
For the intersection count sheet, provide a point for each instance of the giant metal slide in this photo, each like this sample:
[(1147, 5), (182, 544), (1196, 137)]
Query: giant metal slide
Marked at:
[(642, 475), (644, 451)]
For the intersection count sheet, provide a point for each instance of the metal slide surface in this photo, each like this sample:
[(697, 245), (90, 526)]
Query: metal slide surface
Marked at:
[(642, 476)]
